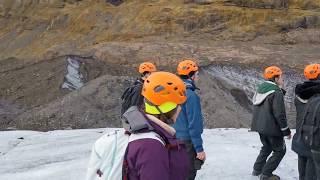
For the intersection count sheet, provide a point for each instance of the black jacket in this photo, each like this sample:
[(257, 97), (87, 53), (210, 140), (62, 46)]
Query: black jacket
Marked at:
[(269, 114), (137, 97), (303, 92)]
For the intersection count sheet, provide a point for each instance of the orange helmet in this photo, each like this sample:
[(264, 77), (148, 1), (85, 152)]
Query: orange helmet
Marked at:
[(312, 71), (162, 87), (147, 67), (186, 66), (271, 72)]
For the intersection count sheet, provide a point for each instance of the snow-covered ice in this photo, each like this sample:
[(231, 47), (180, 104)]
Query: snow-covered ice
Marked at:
[(63, 155)]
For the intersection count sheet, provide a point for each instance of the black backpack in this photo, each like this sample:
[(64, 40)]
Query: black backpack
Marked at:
[(131, 97), (310, 126)]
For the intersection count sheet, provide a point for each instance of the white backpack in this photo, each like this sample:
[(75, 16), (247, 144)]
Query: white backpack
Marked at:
[(108, 153)]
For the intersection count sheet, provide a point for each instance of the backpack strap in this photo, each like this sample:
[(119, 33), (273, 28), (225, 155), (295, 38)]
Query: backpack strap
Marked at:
[(125, 166), (147, 135), (115, 146)]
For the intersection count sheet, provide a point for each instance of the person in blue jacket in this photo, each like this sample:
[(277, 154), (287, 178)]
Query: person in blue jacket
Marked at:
[(189, 125)]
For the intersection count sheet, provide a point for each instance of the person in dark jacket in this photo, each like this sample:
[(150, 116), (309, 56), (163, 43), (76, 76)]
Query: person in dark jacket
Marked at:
[(132, 95), (269, 120), (189, 125), (304, 92), (147, 158)]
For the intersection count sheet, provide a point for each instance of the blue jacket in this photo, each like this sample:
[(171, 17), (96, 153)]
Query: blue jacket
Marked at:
[(189, 124)]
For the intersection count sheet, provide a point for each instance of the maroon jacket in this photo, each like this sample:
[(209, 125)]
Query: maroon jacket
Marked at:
[(148, 159)]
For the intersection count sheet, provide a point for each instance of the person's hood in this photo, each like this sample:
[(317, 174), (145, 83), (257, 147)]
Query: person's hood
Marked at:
[(306, 90), (134, 120), (263, 91)]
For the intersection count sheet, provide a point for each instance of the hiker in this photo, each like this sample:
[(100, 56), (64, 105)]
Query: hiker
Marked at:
[(308, 131), (147, 158), (304, 92), (132, 95), (269, 120), (189, 125)]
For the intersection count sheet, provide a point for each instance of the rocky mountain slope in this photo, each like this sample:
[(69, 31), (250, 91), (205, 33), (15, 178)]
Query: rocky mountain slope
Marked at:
[(106, 42)]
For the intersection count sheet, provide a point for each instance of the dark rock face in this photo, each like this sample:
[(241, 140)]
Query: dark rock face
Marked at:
[(27, 85), (35, 87), (8, 113), (93, 106), (98, 105), (306, 22)]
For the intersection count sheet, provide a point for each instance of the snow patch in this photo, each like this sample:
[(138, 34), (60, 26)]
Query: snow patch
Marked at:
[(73, 79)]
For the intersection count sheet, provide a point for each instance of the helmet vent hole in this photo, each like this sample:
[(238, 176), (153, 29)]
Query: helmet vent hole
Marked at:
[(148, 81), (158, 88), (169, 83), (175, 88)]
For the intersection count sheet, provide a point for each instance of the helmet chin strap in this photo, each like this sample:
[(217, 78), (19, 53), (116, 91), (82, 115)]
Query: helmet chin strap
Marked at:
[(166, 119)]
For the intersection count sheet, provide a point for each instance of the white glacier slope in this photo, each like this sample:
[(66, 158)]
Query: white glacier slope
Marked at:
[(63, 155)]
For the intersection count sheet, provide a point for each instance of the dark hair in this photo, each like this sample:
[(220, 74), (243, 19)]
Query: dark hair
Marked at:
[(144, 73), (274, 78), (162, 116), (166, 116), (188, 76)]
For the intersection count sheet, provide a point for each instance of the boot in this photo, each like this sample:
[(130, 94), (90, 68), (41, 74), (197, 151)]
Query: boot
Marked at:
[(272, 177)]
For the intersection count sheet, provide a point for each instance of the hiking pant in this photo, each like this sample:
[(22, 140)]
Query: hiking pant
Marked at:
[(316, 161), (270, 144), (192, 158), (306, 168)]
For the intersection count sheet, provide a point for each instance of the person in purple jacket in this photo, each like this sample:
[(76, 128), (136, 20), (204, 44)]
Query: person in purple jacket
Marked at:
[(150, 158)]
